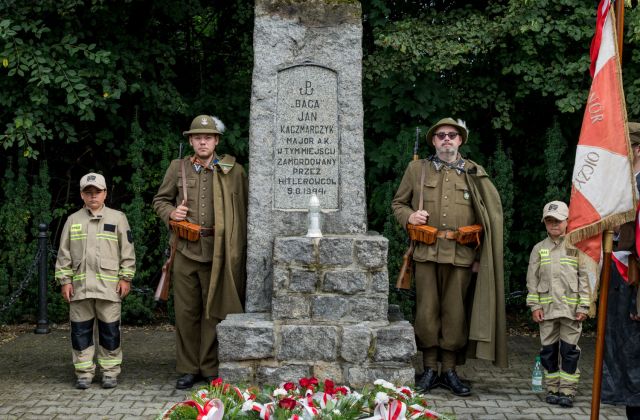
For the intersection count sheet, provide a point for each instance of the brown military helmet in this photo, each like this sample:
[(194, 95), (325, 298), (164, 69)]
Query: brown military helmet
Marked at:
[(203, 124), (462, 129)]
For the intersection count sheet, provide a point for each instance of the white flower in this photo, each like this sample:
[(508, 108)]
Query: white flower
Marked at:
[(248, 405), (381, 398), (280, 391), (356, 395), (202, 394), (336, 412), (384, 384)]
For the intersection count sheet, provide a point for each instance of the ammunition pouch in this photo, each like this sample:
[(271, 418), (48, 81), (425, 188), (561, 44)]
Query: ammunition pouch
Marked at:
[(465, 235), (422, 233), (189, 231), (471, 234)]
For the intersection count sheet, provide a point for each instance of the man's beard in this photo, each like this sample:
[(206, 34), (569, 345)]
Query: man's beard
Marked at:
[(448, 155)]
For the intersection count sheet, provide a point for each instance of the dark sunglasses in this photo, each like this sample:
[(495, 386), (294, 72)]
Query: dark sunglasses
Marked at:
[(452, 135)]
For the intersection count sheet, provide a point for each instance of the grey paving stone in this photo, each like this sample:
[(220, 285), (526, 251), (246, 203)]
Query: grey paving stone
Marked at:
[(147, 383)]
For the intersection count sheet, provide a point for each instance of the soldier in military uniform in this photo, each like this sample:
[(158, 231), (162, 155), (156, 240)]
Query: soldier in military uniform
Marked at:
[(208, 273), (95, 265), (456, 193)]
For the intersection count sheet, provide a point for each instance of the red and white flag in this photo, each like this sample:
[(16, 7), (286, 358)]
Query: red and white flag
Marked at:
[(603, 188)]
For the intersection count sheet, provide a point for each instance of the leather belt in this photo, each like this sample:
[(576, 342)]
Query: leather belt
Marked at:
[(447, 234), (204, 232)]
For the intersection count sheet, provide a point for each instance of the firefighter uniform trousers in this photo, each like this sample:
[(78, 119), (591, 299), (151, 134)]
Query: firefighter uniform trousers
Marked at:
[(560, 354), (85, 316)]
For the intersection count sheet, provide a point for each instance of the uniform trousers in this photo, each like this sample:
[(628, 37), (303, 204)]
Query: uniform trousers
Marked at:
[(560, 354), (84, 315), (441, 319), (196, 339)]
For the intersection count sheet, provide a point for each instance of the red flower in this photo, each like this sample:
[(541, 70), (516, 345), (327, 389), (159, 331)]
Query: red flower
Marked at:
[(308, 383), (287, 403), (342, 390), (289, 386), (329, 387), (216, 382)]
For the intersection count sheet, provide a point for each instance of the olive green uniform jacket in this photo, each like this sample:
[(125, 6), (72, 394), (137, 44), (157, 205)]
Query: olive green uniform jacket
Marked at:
[(96, 251), (230, 188), (487, 325)]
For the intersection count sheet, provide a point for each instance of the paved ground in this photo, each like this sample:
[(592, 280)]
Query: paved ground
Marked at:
[(36, 382)]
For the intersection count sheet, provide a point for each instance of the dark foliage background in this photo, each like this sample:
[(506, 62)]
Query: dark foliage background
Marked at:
[(108, 86)]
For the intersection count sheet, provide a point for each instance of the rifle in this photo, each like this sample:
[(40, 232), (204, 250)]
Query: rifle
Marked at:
[(406, 270), (162, 291)]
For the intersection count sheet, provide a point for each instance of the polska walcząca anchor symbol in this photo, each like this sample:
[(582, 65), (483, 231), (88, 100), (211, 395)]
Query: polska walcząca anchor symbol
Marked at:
[(307, 89)]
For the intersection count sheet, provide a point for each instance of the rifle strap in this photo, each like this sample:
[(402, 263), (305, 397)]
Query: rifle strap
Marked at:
[(422, 176), (412, 244), (184, 180)]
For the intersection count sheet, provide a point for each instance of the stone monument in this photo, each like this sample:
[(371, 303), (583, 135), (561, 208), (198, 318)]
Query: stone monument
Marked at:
[(315, 306)]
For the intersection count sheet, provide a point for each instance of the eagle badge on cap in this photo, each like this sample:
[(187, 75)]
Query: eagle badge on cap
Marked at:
[(91, 178), (204, 121), (553, 207)]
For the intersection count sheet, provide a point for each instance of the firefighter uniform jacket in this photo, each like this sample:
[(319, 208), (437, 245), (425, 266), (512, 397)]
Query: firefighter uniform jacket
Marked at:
[(557, 280), (96, 251)]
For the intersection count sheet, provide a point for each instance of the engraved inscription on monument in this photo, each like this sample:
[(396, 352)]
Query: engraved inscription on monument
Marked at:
[(307, 146)]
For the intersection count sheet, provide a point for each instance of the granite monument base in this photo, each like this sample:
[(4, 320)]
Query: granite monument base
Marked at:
[(328, 320)]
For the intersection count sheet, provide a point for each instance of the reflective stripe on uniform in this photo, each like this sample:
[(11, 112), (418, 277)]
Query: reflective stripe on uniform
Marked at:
[(63, 273), (80, 277), (569, 377), (569, 261), (107, 236), (83, 365), (552, 375), (570, 301), (106, 277), (109, 362), (533, 298)]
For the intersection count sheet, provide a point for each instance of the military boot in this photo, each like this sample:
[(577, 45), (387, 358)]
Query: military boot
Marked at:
[(452, 382), (428, 380)]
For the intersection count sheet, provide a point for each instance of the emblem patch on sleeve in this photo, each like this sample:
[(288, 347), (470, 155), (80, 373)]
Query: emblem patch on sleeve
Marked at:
[(130, 236), (109, 227)]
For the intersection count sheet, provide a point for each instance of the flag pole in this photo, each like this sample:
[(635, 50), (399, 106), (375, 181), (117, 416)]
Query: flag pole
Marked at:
[(620, 27), (602, 324), (607, 245)]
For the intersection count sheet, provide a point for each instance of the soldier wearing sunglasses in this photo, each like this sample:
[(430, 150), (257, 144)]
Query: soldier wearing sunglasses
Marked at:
[(457, 314)]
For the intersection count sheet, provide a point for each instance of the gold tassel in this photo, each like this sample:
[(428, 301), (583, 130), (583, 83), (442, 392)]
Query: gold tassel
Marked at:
[(607, 223)]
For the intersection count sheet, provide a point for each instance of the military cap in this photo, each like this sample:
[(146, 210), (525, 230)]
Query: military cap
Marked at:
[(93, 179), (634, 132), (462, 129), (204, 124)]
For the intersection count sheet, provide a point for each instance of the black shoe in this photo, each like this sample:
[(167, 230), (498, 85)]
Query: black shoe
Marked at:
[(565, 400), (428, 380), (552, 397), (452, 382), (187, 381)]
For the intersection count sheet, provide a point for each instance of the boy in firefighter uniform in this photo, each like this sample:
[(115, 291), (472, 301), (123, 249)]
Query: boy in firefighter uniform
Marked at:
[(559, 297), (95, 265)]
